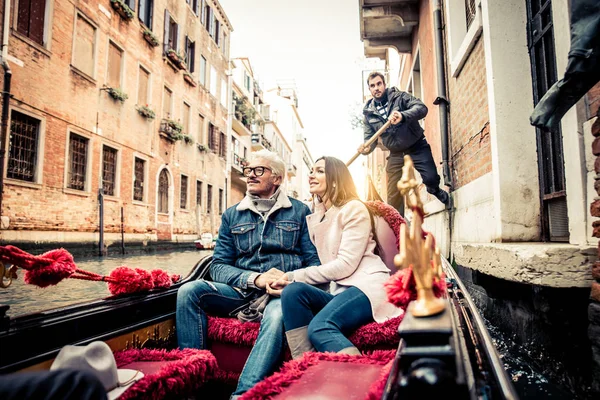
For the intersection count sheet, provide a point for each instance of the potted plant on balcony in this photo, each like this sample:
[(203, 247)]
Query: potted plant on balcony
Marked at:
[(171, 129), (202, 148), (189, 78), (187, 139), (243, 161), (150, 37), (146, 111), (117, 94), (122, 9), (176, 58)]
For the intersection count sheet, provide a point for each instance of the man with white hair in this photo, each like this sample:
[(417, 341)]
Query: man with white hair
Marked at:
[(261, 238)]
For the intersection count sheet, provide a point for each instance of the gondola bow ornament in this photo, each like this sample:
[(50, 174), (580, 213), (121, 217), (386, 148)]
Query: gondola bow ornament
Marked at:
[(55, 265), (420, 277)]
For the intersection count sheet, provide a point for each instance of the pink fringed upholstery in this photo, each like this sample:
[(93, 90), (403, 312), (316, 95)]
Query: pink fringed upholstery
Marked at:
[(292, 371), (175, 373)]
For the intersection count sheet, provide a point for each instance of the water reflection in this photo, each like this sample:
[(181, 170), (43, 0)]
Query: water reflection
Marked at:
[(26, 299)]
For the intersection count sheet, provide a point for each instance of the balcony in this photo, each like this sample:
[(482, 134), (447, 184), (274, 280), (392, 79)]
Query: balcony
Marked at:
[(259, 142), (291, 170), (237, 162), (387, 23), (240, 128)]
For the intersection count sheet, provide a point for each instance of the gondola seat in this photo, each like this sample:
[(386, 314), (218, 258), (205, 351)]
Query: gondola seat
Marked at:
[(167, 374), (232, 340)]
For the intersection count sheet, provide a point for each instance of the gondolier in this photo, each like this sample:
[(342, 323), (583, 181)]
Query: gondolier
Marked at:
[(404, 137)]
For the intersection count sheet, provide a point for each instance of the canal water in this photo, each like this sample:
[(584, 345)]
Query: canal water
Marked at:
[(26, 299)]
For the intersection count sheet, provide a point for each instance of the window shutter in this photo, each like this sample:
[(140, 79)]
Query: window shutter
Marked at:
[(150, 6), (36, 21), (166, 37), (186, 49), (196, 5), (142, 11), (176, 38), (210, 26)]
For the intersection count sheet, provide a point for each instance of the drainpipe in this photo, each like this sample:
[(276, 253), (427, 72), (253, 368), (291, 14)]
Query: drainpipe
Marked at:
[(441, 100), (5, 97), (101, 222)]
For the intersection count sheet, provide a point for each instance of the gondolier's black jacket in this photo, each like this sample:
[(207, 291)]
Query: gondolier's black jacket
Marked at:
[(397, 138)]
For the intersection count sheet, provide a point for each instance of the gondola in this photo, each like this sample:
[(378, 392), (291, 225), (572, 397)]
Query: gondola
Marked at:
[(446, 353)]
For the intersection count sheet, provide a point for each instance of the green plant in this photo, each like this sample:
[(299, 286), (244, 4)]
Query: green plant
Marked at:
[(117, 94), (146, 111), (176, 56), (122, 8), (202, 148), (187, 139), (150, 37), (189, 78)]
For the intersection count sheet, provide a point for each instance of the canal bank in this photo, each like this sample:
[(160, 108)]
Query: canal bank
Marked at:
[(541, 328)]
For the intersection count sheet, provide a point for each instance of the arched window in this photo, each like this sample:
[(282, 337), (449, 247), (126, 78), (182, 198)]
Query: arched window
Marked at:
[(163, 192)]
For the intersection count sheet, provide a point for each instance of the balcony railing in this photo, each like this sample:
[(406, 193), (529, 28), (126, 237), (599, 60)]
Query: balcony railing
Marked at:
[(292, 170), (260, 140), (237, 161)]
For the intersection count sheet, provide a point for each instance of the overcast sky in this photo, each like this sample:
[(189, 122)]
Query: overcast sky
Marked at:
[(317, 43)]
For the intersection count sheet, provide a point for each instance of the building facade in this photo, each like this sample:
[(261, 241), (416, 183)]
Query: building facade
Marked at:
[(521, 194), (127, 99)]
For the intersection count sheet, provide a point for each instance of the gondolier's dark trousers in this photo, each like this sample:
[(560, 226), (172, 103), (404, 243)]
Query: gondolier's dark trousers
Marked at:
[(421, 155), (63, 384)]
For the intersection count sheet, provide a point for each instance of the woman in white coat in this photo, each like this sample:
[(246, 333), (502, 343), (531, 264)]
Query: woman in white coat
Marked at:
[(341, 228)]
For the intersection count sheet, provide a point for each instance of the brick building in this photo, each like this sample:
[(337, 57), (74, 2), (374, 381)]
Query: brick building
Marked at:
[(130, 97), (520, 233)]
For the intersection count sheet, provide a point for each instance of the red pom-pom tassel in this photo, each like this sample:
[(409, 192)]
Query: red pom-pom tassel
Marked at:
[(61, 267), (125, 280), (401, 288)]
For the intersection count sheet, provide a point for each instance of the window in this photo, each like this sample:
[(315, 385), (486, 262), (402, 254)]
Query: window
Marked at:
[(222, 146), (183, 197), (115, 61), (109, 170), (138, 179), (217, 35), (198, 194), (225, 44), (220, 201), (190, 54), (202, 71), (23, 147), (247, 81), (31, 20), (463, 20), (78, 155), (171, 37), (213, 81), (224, 94), (195, 4), (470, 11), (203, 12), (167, 103), (145, 12), (163, 192), (186, 118), (212, 137), (143, 87), (208, 18), (209, 199), (200, 129), (84, 46)]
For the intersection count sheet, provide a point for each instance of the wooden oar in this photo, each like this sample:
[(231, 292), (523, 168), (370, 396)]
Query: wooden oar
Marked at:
[(372, 140)]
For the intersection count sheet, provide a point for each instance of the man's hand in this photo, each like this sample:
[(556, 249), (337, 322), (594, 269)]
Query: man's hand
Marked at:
[(274, 288), (271, 275), (395, 117), (362, 149)]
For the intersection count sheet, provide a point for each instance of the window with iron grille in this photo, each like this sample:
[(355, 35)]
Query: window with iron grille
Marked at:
[(222, 146), (78, 149), (212, 138), (470, 10), (138, 183), (198, 194), (184, 187), (109, 170), (23, 147), (209, 199), (163, 192), (30, 19), (220, 201)]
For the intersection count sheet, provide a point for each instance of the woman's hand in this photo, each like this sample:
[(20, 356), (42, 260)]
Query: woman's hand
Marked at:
[(275, 287)]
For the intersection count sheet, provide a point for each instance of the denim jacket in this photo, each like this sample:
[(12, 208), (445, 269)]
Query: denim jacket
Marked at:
[(249, 244)]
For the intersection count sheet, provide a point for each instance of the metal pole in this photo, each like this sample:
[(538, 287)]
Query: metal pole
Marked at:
[(4, 128), (122, 233), (101, 209)]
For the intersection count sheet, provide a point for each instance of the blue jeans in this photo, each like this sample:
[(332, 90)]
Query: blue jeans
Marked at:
[(329, 318), (196, 298)]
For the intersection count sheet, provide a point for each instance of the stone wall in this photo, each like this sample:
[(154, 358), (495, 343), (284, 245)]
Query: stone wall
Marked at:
[(593, 98)]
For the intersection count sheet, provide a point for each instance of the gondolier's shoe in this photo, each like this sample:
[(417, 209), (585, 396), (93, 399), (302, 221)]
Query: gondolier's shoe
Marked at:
[(444, 197)]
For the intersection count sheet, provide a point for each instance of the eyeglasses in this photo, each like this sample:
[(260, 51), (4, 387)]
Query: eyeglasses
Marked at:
[(258, 171)]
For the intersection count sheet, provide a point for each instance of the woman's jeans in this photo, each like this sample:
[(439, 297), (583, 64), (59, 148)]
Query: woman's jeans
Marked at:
[(195, 299), (328, 317)]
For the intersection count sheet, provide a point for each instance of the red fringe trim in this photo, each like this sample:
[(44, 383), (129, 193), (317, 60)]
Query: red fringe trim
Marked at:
[(230, 330), (187, 370), (293, 370)]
